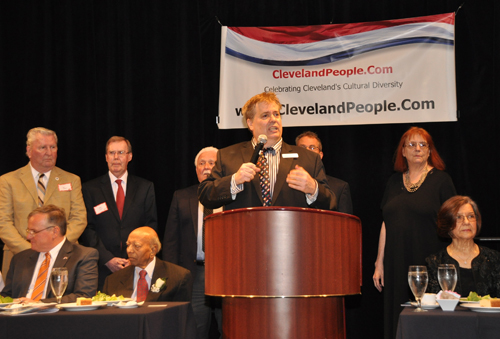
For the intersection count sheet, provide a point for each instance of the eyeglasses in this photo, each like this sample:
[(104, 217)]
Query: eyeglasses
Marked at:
[(414, 144), (311, 148), (32, 232), (119, 153), (461, 218)]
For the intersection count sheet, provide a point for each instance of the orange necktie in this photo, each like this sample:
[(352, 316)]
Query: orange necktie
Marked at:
[(41, 278)]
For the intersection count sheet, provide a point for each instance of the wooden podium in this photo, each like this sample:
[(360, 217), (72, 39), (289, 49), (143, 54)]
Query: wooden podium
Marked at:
[(282, 272)]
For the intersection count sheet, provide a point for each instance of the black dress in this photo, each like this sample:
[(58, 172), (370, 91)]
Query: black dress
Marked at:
[(410, 221), (485, 271)]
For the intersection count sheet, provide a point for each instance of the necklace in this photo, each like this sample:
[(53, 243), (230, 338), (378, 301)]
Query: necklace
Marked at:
[(413, 187), (470, 255)]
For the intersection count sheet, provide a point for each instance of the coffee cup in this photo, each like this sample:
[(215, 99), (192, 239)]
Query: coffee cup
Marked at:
[(429, 299)]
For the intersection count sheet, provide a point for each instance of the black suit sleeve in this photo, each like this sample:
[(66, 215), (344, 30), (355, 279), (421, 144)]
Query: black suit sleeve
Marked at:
[(89, 237), (150, 208), (184, 288), (171, 238), (83, 280), (345, 201), (8, 289), (215, 191)]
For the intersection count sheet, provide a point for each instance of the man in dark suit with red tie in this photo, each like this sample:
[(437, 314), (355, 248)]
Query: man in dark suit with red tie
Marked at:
[(148, 278), (296, 176), (117, 203)]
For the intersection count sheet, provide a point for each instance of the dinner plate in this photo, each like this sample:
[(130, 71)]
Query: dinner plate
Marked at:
[(114, 302), (74, 307), (470, 302), (477, 308), (5, 304), (426, 306), (129, 304), (29, 308)]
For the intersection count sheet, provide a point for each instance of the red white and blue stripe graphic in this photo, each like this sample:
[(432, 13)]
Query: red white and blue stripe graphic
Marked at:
[(316, 45)]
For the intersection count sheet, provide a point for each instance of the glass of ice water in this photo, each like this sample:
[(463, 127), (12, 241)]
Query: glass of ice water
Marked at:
[(59, 281), (417, 279)]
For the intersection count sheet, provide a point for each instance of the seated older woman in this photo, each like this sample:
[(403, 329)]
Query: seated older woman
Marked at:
[(478, 267)]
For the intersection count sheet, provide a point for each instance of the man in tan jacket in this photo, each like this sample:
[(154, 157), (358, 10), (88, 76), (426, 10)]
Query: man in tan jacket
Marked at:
[(38, 183)]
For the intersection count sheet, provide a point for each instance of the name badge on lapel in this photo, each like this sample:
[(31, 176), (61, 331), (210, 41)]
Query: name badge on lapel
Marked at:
[(65, 187), (290, 155), (100, 208)]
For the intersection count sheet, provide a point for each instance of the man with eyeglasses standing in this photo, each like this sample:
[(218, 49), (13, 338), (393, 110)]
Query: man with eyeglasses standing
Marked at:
[(117, 203), (37, 184), (29, 273), (311, 141)]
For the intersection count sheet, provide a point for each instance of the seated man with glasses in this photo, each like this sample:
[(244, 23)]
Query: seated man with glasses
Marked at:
[(117, 203), (29, 273)]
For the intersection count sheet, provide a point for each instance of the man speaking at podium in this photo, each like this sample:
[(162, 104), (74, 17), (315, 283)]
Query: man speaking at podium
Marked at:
[(266, 171)]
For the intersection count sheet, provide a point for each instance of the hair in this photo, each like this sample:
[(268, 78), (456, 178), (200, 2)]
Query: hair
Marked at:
[(32, 133), (248, 109), (310, 135), (400, 162), (447, 215), (55, 216), (155, 241), (203, 150), (119, 139)]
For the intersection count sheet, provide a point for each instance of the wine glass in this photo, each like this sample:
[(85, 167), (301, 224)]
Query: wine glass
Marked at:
[(447, 277), (59, 281), (417, 279)]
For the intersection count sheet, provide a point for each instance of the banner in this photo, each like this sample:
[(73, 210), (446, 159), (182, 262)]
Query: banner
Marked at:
[(394, 71)]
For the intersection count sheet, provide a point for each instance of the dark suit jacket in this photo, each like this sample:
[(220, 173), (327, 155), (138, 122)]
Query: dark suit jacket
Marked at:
[(343, 194), (82, 272), (105, 231), (215, 191), (179, 284), (181, 232)]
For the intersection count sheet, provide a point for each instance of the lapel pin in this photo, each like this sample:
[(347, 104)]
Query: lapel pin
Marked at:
[(57, 178), (65, 258)]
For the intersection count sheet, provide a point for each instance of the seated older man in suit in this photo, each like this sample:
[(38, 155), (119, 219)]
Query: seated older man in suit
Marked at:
[(29, 272), (149, 278)]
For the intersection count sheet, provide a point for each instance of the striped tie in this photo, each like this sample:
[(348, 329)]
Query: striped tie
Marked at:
[(264, 176), (41, 190), (41, 279)]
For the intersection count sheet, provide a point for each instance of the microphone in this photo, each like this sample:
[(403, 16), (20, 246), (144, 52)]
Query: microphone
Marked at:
[(262, 140)]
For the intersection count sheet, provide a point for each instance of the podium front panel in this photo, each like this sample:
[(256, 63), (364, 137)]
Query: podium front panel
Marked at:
[(282, 252)]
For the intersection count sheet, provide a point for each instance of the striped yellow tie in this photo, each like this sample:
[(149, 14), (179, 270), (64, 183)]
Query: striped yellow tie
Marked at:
[(41, 190), (41, 278)]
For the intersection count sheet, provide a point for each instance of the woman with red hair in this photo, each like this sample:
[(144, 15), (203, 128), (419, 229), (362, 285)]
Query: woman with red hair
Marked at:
[(411, 201)]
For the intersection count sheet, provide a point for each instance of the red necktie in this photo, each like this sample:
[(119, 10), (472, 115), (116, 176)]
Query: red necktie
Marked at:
[(120, 197), (142, 286)]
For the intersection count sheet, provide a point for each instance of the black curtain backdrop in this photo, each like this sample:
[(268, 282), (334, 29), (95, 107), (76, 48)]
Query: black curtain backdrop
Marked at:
[(149, 71)]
